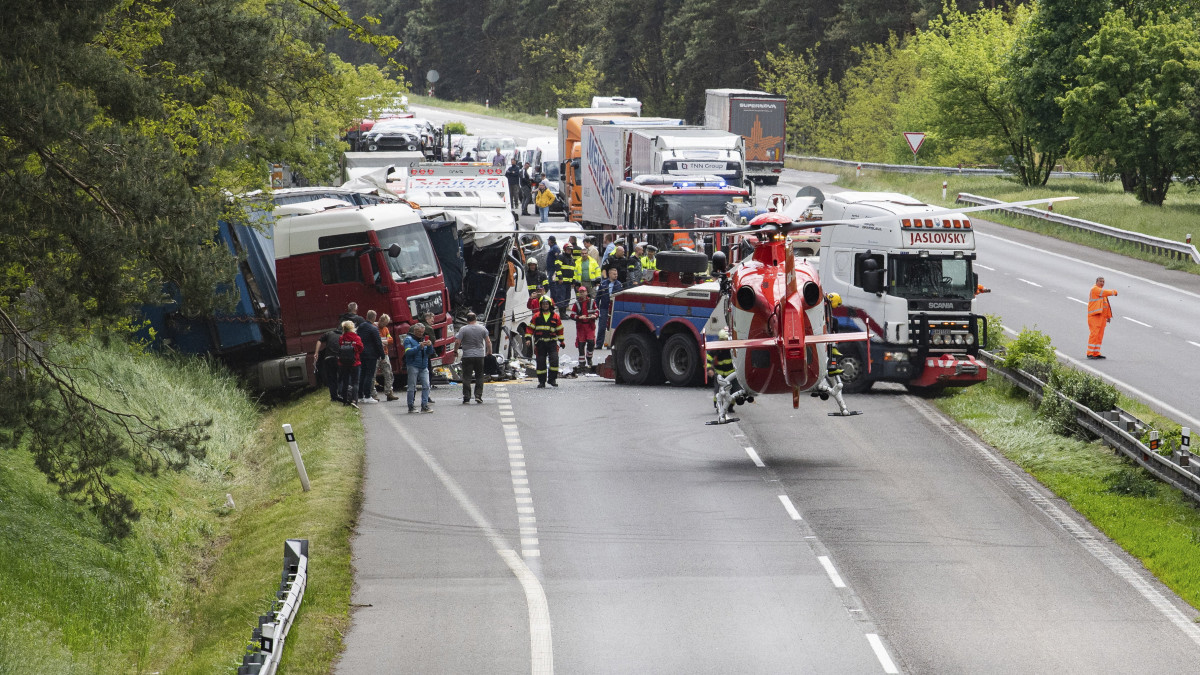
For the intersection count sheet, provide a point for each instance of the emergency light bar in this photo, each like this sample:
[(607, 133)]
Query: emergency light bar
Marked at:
[(700, 184), (961, 223), (457, 169)]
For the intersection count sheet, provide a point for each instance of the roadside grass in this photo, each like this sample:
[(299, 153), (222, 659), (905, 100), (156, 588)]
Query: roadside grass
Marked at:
[(74, 601), (480, 109), (1098, 202), (1152, 521)]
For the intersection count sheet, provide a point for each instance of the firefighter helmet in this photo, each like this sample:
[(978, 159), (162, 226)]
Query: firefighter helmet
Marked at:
[(834, 300)]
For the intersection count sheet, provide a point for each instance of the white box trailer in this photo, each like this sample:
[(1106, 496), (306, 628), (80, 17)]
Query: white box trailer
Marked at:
[(604, 162), (355, 164), (687, 152), (760, 118)]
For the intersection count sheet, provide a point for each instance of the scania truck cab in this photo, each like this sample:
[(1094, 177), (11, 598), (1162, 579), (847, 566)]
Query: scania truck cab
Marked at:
[(909, 282)]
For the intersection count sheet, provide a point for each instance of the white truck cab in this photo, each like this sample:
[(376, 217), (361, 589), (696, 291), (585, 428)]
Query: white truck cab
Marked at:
[(909, 282)]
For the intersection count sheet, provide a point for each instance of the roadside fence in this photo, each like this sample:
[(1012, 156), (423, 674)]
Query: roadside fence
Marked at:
[(914, 168), (1119, 430), (265, 649), (1165, 247)]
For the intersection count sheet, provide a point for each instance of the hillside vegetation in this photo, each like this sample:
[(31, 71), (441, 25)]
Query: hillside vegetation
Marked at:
[(182, 591)]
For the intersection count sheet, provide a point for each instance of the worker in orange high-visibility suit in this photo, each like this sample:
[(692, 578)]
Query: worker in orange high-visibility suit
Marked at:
[(1099, 314)]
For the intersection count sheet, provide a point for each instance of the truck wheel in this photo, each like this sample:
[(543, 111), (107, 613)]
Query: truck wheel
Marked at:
[(855, 379), (771, 180), (684, 262), (681, 360), (637, 358)]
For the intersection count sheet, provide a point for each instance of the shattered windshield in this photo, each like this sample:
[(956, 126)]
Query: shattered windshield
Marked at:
[(919, 278), (416, 259)]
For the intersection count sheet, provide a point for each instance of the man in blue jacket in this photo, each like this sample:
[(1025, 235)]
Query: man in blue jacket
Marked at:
[(371, 353), (418, 350)]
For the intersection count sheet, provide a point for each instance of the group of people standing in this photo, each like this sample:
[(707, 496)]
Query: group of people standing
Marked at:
[(348, 359), (525, 187)]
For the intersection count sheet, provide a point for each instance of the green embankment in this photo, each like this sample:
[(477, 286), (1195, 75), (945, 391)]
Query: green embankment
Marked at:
[(1153, 522), (182, 593), (478, 109), (1098, 202)]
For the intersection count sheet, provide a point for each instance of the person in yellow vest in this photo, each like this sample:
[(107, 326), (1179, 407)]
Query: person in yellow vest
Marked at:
[(565, 276), (587, 271), (1099, 314), (649, 261)]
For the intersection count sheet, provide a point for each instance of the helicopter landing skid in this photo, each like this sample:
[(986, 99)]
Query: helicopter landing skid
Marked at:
[(848, 413), (727, 420)]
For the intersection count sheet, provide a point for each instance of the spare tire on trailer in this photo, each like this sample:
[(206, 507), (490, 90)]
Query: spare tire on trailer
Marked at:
[(684, 262)]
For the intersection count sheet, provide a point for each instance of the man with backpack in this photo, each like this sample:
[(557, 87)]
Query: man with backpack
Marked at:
[(325, 361)]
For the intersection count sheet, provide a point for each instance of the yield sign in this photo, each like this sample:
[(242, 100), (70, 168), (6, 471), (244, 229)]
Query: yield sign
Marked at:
[(915, 139)]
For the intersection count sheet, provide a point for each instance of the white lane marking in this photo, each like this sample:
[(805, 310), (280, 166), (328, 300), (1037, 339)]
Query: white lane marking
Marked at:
[(1194, 344), (790, 508), (1137, 322), (1092, 265), (990, 269), (1163, 407), (1090, 543), (755, 458), (833, 575), (540, 645), (1031, 283), (1077, 300), (881, 653)]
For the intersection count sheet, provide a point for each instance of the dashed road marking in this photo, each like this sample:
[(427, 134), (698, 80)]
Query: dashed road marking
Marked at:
[(829, 569), (1194, 344), (889, 666), (789, 507), (1031, 283), (1076, 300), (1140, 323), (990, 269), (755, 458)]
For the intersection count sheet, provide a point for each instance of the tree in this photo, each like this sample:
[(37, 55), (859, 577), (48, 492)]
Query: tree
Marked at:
[(122, 125), (1137, 100), (967, 58), (553, 74), (813, 102)]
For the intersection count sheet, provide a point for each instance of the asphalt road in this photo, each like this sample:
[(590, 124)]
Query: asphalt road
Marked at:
[(602, 528), (599, 528)]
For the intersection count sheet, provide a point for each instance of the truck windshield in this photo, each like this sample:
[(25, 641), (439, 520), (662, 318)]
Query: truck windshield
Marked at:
[(416, 259), (918, 278), (550, 170), (683, 208)]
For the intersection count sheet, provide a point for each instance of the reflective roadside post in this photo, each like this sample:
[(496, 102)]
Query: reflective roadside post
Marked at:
[(291, 439)]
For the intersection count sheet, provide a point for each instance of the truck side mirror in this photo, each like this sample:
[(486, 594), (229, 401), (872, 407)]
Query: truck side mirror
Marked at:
[(872, 281), (393, 251), (562, 168)]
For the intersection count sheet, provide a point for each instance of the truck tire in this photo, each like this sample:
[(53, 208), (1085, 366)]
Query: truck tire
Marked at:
[(771, 180), (855, 379), (684, 262), (681, 360), (638, 359)]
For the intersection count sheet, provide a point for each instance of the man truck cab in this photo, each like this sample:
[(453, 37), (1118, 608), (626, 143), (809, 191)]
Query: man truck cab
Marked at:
[(909, 282)]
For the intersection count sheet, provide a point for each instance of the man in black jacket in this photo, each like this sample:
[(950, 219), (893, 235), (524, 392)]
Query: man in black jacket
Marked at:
[(371, 353), (513, 174)]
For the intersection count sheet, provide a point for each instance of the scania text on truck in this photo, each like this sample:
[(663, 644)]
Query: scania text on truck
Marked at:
[(605, 164), (909, 283), (297, 270), (570, 131), (760, 118)]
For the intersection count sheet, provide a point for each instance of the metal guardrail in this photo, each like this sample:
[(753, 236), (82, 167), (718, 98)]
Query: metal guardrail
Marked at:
[(1166, 247), (1181, 471), (914, 168), (266, 647)]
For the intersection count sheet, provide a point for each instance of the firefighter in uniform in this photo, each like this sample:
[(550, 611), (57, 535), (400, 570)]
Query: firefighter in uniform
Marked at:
[(649, 262), (585, 312), (565, 276), (535, 278), (1099, 314), (546, 329), (720, 363), (831, 384)]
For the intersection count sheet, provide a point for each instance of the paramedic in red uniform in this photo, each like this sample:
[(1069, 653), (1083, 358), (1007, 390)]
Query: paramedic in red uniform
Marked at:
[(1099, 314)]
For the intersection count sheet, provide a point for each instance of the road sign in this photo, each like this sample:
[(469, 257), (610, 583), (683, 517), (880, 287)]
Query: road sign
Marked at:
[(431, 76), (914, 139)]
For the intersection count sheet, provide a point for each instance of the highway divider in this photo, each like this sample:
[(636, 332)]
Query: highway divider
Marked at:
[(1165, 247), (1117, 429), (265, 649)]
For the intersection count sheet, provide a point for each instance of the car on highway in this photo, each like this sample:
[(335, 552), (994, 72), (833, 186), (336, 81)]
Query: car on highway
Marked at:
[(399, 134)]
